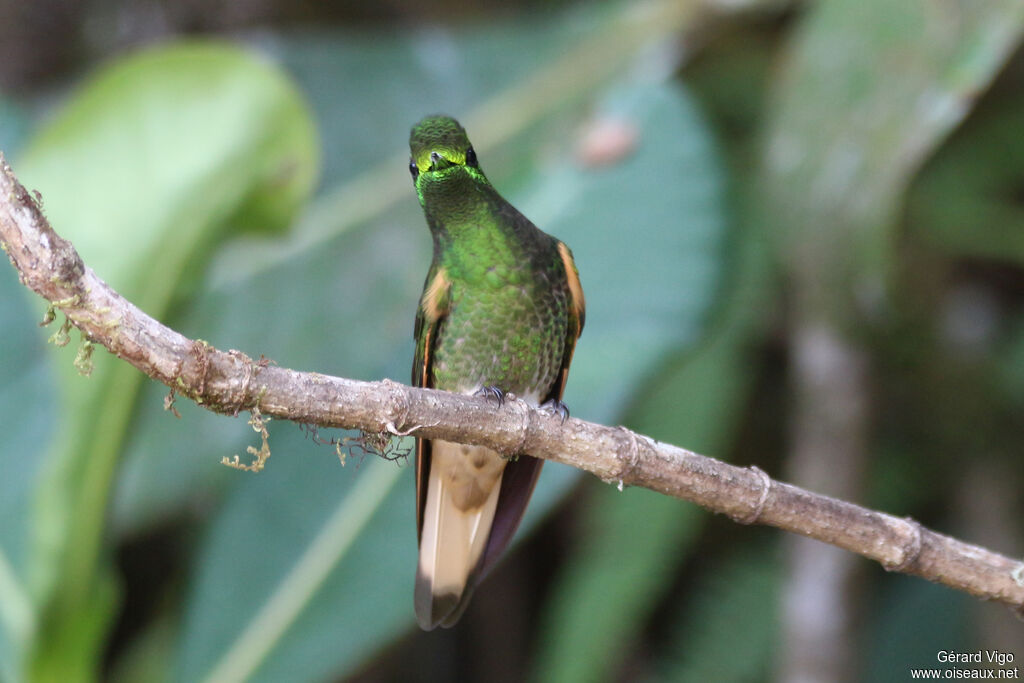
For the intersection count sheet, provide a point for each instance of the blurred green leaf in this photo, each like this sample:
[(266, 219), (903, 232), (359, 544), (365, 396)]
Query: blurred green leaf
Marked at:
[(27, 391), (152, 162), (14, 126), (967, 198), (729, 631), (634, 540), (1011, 365), (293, 592), (913, 620), (648, 234), (582, 50), (147, 657), (870, 89), (632, 546)]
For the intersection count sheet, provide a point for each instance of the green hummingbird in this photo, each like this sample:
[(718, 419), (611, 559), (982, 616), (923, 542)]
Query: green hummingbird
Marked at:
[(501, 310)]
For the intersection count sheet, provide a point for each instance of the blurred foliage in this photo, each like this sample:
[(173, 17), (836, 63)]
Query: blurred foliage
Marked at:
[(868, 91), (911, 618), (779, 138), (742, 590), (162, 154)]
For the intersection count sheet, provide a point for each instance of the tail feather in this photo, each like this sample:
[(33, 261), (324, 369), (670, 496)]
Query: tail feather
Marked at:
[(461, 498)]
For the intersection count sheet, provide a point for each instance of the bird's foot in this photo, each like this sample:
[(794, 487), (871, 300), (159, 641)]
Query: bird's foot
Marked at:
[(555, 407), (493, 393)]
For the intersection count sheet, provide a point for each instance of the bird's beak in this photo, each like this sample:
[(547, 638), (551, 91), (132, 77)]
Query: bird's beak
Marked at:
[(438, 162)]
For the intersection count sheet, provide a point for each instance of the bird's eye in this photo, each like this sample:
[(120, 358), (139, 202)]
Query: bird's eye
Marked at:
[(413, 169), (471, 157)]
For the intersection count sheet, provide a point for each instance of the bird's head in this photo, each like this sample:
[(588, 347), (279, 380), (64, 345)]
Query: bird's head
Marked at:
[(439, 146)]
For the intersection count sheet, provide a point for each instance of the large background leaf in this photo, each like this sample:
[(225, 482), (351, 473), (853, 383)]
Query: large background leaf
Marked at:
[(149, 165), (26, 389), (592, 213), (635, 542), (855, 113)]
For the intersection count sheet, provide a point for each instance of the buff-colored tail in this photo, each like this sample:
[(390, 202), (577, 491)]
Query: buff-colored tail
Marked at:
[(461, 499)]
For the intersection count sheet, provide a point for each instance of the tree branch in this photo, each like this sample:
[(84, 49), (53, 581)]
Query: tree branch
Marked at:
[(229, 382)]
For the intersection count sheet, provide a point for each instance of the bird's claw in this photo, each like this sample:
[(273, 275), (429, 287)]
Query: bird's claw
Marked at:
[(493, 393), (555, 407)]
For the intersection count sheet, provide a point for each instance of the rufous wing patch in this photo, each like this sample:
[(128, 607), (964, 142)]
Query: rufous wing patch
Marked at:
[(579, 304), (433, 307), (435, 296), (577, 314)]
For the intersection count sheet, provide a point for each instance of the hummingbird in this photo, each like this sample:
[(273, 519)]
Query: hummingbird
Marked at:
[(501, 310)]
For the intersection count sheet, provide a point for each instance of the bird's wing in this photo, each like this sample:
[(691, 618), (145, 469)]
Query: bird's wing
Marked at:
[(577, 315), (432, 310)]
